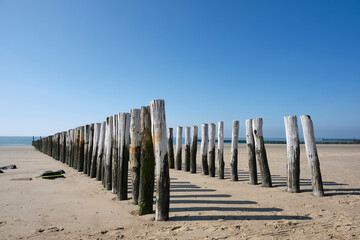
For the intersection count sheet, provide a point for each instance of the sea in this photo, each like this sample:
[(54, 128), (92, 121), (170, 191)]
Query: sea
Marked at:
[(27, 140)]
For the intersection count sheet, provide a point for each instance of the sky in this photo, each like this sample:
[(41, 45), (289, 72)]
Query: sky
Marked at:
[(65, 64)]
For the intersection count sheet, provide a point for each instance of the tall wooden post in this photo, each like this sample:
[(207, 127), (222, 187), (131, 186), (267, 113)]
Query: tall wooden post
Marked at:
[(187, 149), (293, 154), (171, 148), (203, 148), (97, 127), (135, 144), (250, 146), (124, 118), (100, 154), (62, 154), (114, 154), (76, 147), (234, 151), (91, 146), (313, 159), (193, 149), (221, 149), (212, 133), (178, 161), (261, 152), (147, 165), (80, 156), (86, 147), (72, 147), (68, 147), (157, 110), (108, 152)]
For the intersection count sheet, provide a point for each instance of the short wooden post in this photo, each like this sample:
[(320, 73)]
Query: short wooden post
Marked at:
[(97, 127), (293, 154), (212, 133), (261, 152), (203, 148), (171, 148), (157, 110), (100, 154), (147, 165), (91, 146), (193, 149), (178, 161), (135, 144), (80, 156), (114, 154), (250, 147), (221, 149), (234, 151), (187, 149), (313, 159), (108, 152), (86, 146)]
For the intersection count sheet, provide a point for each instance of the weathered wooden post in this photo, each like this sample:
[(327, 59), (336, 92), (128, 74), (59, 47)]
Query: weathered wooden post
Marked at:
[(171, 148), (147, 164), (80, 156), (100, 154), (71, 147), (203, 148), (187, 149), (108, 151), (91, 146), (178, 161), (97, 127), (212, 133), (135, 144), (86, 147), (157, 109), (261, 152), (68, 147), (313, 159), (250, 146), (76, 147), (123, 157), (221, 149), (62, 153), (234, 151), (293, 154), (193, 149), (114, 155)]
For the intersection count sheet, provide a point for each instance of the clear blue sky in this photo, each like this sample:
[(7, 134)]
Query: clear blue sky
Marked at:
[(68, 63)]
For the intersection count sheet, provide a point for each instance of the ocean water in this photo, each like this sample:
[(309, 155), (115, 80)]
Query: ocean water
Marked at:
[(16, 141)]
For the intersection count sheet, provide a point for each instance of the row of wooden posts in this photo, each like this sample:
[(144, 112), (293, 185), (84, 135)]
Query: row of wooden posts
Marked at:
[(255, 148), (103, 151)]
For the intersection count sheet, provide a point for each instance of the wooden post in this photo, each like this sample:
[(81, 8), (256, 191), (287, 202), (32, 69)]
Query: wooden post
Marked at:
[(91, 146), (293, 154), (76, 147), (193, 149), (135, 144), (313, 159), (234, 151), (203, 149), (147, 165), (157, 109), (187, 149), (86, 147), (250, 146), (221, 149), (72, 148), (62, 153), (94, 156), (260, 151), (68, 147), (80, 156), (123, 158), (212, 133), (100, 154), (114, 155), (108, 151), (178, 161), (171, 148)]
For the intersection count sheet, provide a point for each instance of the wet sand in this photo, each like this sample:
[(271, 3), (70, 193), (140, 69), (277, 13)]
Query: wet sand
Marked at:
[(77, 207)]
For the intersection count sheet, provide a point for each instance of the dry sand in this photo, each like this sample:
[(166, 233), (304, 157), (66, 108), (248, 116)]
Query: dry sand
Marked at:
[(77, 207)]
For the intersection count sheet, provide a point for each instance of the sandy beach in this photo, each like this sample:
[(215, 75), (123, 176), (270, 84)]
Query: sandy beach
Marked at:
[(77, 207)]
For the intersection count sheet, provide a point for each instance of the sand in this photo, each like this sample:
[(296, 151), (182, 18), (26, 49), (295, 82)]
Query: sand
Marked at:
[(77, 207)]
